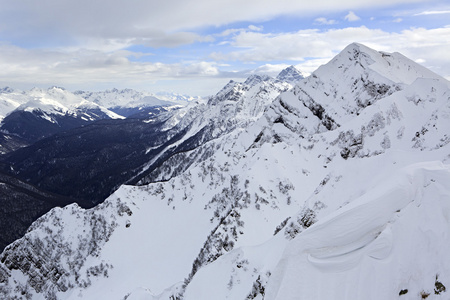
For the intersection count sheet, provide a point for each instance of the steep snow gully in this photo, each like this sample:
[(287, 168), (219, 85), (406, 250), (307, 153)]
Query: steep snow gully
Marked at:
[(335, 187)]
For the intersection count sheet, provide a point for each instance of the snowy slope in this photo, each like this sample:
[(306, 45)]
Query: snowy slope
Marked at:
[(291, 75), (38, 113), (235, 106), (372, 243), (330, 190), (127, 98), (57, 101), (185, 263), (176, 97), (363, 250), (115, 152), (51, 103), (131, 103), (406, 127), (9, 101), (356, 78)]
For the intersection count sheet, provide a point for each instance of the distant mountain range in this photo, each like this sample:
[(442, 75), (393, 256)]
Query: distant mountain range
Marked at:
[(37, 117), (333, 186), (28, 116)]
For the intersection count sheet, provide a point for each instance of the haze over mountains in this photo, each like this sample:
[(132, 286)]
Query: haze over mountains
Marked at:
[(333, 186)]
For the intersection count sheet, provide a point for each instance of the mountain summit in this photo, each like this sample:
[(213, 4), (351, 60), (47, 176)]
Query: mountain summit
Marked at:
[(318, 190), (291, 75)]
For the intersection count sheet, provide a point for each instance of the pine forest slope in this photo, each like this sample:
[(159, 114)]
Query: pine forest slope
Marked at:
[(21, 204)]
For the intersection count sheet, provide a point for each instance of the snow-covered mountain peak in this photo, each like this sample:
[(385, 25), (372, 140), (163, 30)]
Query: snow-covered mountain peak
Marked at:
[(357, 58), (38, 112), (349, 172), (59, 101), (255, 79), (46, 105), (10, 100), (55, 94), (6, 90), (176, 97), (235, 91), (52, 100), (291, 74), (126, 98), (234, 107), (340, 90), (149, 101)]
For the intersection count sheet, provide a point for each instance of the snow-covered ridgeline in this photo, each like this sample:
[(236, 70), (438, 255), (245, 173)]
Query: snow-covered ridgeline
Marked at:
[(234, 107), (59, 101), (52, 101), (390, 241), (319, 188), (131, 98)]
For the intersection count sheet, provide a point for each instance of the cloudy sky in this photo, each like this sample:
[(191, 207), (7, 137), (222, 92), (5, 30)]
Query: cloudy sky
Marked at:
[(196, 46)]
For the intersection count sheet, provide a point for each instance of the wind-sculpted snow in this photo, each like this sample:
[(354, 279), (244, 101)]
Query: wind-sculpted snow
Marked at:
[(360, 251), (337, 188), (398, 230)]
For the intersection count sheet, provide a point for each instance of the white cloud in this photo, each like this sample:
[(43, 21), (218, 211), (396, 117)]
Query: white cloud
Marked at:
[(398, 20), (86, 68), (297, 46), (232, 31), (352, 17), (270, 69), (255, 28), (92, 69), (90, 37), (160, 23), (313, 47), (433, 12), (324, 21), (172, 40)]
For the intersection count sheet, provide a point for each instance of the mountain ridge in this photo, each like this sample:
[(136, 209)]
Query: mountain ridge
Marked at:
[(240, 220), (40, 113)]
